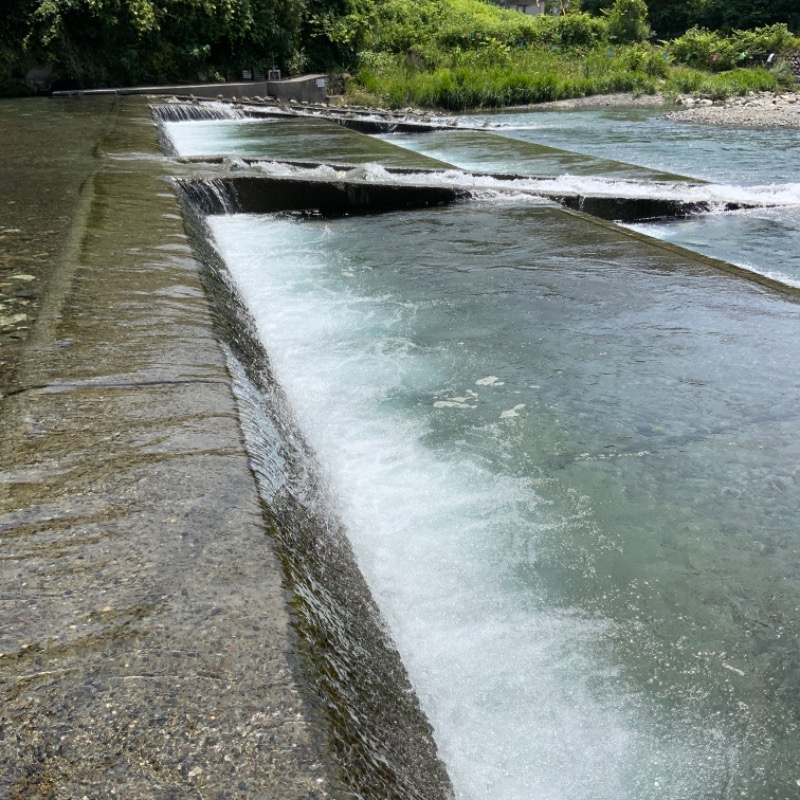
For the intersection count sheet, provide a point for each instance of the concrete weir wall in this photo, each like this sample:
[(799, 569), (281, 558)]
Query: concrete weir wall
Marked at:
[(303, 89), (146, 649), (168, 630)]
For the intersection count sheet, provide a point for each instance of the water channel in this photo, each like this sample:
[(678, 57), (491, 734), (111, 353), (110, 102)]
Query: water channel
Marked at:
[(566, 458)]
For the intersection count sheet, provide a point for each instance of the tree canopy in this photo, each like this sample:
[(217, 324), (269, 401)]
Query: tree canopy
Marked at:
[(672, 18), (85, 43)]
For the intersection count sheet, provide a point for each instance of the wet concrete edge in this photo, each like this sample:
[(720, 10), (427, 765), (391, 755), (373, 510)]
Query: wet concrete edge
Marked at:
[(146, 648), (765, 281)]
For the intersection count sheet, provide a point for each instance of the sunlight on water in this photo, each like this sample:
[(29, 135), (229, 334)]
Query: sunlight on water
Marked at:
[(745, 166), (571, 481)]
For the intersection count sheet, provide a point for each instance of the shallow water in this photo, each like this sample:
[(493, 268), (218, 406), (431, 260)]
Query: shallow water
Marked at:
[(749, 165), (567, 462), (290, 140), (645, 137)]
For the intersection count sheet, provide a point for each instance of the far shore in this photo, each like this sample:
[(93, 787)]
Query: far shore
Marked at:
[(755, 110)]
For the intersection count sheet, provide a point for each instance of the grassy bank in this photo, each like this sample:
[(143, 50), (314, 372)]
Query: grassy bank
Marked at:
[(463, 54), (484, 80)]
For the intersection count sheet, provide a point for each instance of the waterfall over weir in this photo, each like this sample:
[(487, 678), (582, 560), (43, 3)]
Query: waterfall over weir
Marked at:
[(564, 458), (380, 737), (185, 112)]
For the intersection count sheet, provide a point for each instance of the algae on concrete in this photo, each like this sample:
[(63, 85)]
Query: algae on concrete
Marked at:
[(145, 645)]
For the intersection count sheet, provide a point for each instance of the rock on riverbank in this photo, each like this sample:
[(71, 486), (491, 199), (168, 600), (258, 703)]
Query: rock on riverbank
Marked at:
[(755, 110)]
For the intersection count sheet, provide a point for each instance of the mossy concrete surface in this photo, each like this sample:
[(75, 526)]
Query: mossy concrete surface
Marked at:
[(145, 645)]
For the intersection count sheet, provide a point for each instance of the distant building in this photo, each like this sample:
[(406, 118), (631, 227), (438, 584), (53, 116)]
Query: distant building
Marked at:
[(533, 7)]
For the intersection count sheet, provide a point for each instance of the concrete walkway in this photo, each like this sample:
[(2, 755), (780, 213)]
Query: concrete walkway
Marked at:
[(145, 645)]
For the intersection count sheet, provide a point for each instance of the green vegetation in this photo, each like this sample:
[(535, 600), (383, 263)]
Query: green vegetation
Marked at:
[(710, 50), (451, 54), (459, 54), (672, 18), (88, 43)]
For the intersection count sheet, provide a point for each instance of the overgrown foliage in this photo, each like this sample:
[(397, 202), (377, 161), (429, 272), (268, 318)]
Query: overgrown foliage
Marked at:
[(459, 54), (491, 77), (481, 80), (711, 50), (672, 18), (627, 21), (104, 42), (450, 53)]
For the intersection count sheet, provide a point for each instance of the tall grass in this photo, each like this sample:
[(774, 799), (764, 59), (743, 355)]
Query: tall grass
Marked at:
[(460, 81), (493, 79), (718, 85), (467, 54)]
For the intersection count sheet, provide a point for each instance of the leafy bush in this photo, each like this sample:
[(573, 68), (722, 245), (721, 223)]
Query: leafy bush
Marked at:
[(649, 60), (685, 80), (492, 77), (627, 21), (711, 50)]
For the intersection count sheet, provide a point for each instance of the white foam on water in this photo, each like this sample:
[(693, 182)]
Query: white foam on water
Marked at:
[(282, 169), (501, 189), (523, 697)]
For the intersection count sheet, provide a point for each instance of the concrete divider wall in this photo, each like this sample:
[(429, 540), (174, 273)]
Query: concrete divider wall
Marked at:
[(305, 89), (146, 649)]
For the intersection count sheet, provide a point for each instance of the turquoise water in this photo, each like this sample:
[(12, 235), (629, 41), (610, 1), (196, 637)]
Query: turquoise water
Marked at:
[(646, 138), (754, 166), (568, 464), (290, 140)]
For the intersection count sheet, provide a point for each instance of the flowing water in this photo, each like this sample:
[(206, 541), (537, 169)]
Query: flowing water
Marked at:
[(753, 166), (292, 140), (567, 461)]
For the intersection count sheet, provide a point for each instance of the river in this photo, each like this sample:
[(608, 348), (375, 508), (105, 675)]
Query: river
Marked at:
[(566, 458)]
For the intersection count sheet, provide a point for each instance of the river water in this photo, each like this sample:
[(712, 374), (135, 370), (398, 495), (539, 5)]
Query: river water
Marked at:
[(751, 165), (567, 459)]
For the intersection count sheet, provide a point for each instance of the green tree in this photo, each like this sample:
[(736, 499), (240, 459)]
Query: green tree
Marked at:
[(627, 21), (727, 15), (103, 42), (672, 18)]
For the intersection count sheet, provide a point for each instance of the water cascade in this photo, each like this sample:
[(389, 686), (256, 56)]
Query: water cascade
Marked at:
[(381, 739), (185, 112)]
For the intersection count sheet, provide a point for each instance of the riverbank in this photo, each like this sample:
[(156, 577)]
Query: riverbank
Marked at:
[(755, 110)]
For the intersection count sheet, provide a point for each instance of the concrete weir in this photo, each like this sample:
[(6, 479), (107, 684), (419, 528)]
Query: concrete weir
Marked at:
[(267, 194), (264, 195), (415, 188), (154, 642), (180, 619)]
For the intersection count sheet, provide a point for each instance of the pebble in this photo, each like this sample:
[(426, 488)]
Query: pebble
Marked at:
[(754, 110)]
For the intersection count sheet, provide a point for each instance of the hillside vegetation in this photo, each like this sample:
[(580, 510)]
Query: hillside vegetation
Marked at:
[(450, 54)]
